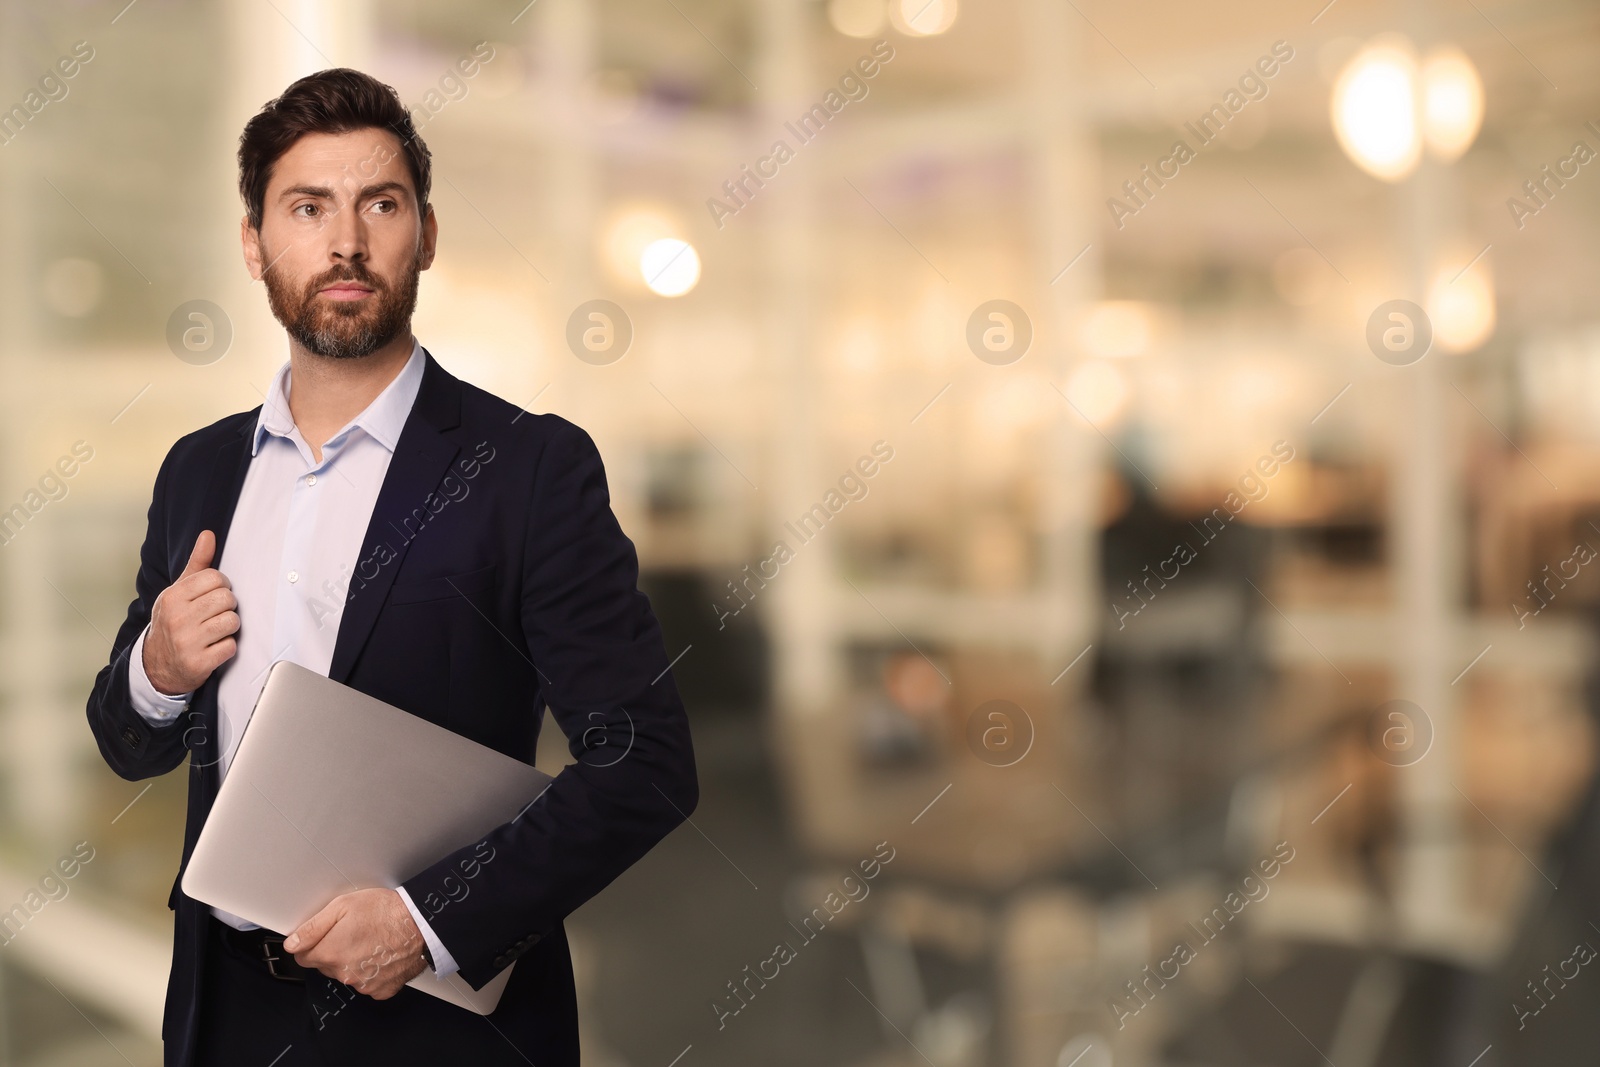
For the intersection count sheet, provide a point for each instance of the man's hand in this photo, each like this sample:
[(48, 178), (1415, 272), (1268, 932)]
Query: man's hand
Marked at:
[(192, 624), (366, 939)]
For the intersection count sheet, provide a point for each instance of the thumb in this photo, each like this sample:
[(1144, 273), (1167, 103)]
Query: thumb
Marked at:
[(314, 929), (200, 558)]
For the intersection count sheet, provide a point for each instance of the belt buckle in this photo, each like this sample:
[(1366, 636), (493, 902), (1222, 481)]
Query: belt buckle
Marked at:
[(266, 952)]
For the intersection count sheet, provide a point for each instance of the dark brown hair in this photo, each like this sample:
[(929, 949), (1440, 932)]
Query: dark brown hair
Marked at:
[(337, 100)]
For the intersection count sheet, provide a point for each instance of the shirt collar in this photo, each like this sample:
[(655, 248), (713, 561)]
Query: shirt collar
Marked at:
[(382, 419)]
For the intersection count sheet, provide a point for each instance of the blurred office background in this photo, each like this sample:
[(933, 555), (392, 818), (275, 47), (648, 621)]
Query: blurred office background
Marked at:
[(1151, 577)]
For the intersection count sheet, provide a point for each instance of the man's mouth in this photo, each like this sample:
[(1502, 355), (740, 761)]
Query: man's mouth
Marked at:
[(346, 291)]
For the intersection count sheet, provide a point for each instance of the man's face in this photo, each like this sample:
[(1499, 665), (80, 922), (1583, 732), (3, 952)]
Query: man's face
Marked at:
[(341, 242)]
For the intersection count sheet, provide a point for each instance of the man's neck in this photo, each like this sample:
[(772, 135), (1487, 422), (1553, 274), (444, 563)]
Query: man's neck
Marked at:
[(326, 393)]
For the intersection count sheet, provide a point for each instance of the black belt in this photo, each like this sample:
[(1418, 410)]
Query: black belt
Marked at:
[(265, 948)]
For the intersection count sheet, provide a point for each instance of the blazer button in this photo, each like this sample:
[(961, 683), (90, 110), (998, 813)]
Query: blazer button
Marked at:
[(132, 736), (500, 963)]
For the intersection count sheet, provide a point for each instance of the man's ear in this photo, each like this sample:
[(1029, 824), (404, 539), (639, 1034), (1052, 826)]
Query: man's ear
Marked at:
[(430, 238), (250, 241)]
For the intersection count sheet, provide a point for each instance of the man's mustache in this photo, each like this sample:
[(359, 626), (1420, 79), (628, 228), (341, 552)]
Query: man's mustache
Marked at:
[(348, 274)]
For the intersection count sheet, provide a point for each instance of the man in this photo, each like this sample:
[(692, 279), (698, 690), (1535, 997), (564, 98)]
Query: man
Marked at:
[(384, 523)]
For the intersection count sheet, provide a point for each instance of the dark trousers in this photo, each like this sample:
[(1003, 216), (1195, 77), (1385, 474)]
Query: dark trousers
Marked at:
[(249, 1017)]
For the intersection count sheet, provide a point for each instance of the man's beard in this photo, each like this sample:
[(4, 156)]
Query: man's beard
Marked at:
[(345, 329)]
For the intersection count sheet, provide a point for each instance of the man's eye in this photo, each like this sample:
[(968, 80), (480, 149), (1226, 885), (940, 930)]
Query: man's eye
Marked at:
[(390, 204), (309, 208)]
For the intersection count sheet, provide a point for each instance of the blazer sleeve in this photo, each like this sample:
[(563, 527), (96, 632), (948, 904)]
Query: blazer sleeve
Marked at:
[(132, 745), (603, 669)]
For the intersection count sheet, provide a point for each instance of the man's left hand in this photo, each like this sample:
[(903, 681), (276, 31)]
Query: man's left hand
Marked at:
[(366, 939)]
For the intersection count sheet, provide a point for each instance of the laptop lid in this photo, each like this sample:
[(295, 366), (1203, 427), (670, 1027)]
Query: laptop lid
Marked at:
[(332, 790)]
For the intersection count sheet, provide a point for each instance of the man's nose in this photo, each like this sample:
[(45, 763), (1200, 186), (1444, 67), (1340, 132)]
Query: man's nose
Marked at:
[(347, 239)]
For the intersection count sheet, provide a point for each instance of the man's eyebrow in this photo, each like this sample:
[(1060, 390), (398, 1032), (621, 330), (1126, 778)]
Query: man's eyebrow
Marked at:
[(325, 192)]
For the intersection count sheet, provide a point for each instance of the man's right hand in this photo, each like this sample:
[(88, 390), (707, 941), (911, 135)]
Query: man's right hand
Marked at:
[(192, 624)]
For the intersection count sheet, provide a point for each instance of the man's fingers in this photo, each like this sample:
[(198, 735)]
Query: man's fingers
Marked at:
[(218, 600), (200, 557), (314, 929), (223, 624), (350, 941), (218, 654), (201, 583), (222, 652)]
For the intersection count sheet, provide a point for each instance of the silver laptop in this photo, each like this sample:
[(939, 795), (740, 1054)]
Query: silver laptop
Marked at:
[(331, 790)]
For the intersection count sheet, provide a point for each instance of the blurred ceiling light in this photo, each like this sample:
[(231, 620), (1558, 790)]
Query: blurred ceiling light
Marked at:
[(1374, 109), (1099, 390), (1117, 328), (670, 267), (1461, 305), (857, 18), (1452, 102), (1385, 109), (922, 18), (73, 287), (632, 228)]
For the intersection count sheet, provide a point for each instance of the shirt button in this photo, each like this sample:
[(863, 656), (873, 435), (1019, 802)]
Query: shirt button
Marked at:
[(294, 576), (311, 479)]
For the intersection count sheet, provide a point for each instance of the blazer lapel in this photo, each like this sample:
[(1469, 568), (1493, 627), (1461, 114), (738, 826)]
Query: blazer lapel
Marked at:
[(223, 488), (217, 505), (421, 459)]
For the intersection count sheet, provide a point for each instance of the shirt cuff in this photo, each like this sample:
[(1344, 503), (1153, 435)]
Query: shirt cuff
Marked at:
[(443, 962), (156, 708)]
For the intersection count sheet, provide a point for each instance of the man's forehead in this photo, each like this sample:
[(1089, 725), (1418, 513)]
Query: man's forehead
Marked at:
[(322, 158)]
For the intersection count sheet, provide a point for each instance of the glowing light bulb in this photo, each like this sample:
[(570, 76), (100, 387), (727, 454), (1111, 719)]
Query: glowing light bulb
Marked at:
[(1452, 103), (923, 18), (670, 267), (1374, 109), (857, 18), (1461, 307)]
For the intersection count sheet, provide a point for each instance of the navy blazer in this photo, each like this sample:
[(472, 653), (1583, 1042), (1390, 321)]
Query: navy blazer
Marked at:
[(493, 580)]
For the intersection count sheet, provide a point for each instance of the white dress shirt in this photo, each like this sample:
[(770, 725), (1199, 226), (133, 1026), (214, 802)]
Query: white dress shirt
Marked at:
[(291, 547)]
